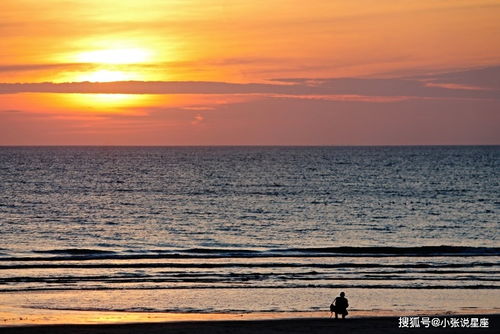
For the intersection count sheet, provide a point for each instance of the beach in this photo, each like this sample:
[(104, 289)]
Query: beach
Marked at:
[(374, 325), (18, 320)]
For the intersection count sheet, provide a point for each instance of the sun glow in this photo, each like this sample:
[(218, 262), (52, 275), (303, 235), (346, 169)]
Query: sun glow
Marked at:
[(106, 76), (114, 63), (108, 103), (115, 56)]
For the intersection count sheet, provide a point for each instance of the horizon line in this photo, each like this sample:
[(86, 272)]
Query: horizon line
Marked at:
[(254, 145)]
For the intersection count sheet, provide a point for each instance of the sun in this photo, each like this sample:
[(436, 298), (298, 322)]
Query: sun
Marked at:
[(114, 63), (110, 65)]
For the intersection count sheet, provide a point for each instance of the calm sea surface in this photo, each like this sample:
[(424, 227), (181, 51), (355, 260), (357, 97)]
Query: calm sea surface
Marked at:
[(228, 229)]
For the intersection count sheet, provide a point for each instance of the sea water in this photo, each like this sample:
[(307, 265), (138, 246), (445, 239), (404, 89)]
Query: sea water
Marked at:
[(235, 229)]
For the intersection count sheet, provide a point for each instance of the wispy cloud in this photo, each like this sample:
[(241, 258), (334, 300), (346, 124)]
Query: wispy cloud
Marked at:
[(455, 86), (38, 67)]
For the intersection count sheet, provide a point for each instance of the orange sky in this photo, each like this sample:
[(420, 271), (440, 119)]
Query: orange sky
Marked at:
[(275, 72)]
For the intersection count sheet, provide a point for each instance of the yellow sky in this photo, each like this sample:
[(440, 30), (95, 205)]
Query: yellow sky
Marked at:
[(242, 40), (245, 42)]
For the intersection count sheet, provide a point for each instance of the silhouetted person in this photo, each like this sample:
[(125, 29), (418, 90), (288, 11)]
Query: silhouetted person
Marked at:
[(339, 306)]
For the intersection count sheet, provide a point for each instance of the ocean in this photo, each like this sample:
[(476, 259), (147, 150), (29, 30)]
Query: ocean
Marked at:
[(250, 229)]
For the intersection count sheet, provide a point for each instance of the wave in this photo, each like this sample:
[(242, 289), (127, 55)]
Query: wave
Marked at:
[(343, 251), (406, 251), (222, 251), (255, 286), (246, 265), (240, 278), (75, 251)]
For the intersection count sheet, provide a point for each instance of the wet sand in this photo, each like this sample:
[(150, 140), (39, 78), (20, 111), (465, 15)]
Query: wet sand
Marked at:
[(375, 325), (59, 322)]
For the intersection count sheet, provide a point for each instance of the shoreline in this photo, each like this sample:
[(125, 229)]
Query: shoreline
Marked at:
[(18, 317)]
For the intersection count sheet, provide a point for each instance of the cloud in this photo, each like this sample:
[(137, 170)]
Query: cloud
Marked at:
[(483, 78), (197, 119), (198, 108), (455, 86), (472, 84), (37, 67)]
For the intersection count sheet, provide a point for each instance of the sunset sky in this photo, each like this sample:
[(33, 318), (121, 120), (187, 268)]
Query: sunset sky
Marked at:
[(239, 72)]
